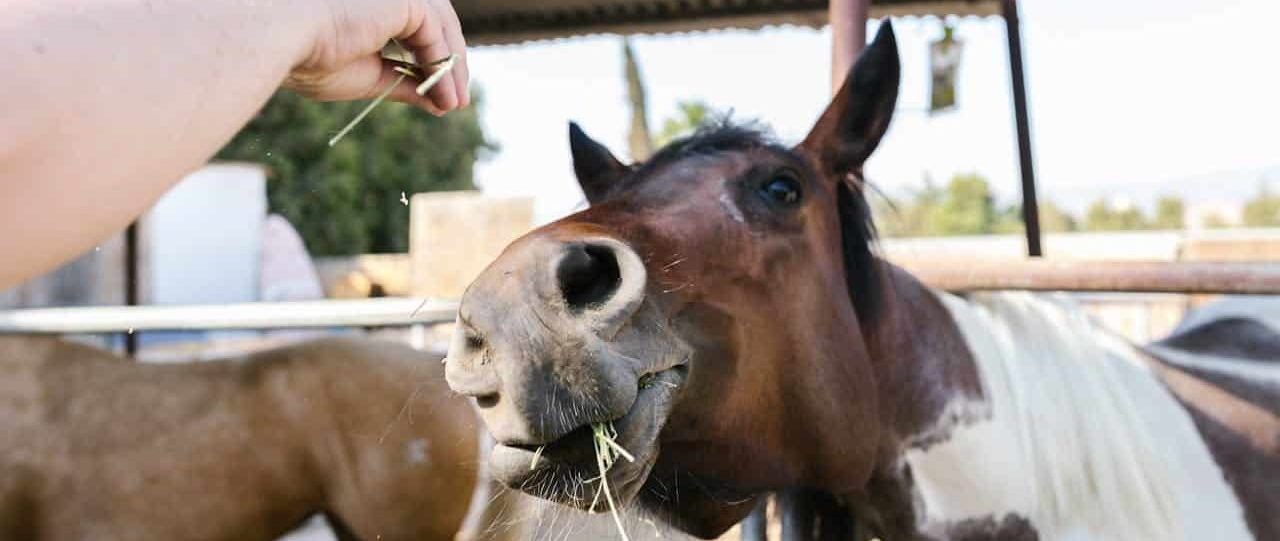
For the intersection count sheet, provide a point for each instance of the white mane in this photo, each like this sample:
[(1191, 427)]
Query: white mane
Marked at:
[(1075, 435)]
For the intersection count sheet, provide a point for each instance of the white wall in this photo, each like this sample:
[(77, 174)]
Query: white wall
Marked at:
[(202, 240)]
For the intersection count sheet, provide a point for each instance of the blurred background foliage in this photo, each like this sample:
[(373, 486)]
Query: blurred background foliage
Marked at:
[(688, 116), (347, 199), (966, 205)]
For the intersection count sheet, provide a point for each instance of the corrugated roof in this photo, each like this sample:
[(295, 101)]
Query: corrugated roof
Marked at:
[(491, 22)]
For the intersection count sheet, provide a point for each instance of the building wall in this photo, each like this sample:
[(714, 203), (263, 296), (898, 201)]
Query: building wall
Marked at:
[(202, 239)]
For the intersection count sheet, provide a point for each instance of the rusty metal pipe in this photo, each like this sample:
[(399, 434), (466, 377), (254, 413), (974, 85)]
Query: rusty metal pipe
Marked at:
[(848, 20), (1138, 277)]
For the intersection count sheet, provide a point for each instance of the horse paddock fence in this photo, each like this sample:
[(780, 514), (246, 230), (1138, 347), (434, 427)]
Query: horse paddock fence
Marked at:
[(950, 274)]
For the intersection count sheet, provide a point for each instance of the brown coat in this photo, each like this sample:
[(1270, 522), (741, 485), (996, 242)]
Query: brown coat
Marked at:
[(366, 432)]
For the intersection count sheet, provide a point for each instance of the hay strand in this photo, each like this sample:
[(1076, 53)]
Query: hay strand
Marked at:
[(443, 66), (607, 452), (365, 112), (396, 54)]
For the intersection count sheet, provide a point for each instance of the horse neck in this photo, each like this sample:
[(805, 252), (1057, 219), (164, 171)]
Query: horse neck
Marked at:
[(1059, 410), (921, 359)]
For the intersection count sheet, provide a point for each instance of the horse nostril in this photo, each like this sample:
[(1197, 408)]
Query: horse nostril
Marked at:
[(487, 400), (588, 275)]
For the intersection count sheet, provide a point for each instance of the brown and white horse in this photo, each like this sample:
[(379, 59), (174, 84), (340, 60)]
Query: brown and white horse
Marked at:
[(722, 306), (93, 446)]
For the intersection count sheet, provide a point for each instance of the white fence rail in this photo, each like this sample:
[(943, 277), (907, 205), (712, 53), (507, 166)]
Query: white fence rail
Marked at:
[(384, 312)]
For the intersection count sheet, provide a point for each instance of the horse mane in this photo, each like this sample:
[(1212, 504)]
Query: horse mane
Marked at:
[(717, 134), (864, 274), (1072, 412)]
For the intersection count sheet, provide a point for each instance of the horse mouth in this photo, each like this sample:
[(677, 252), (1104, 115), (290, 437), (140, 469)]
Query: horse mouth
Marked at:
[(566, 471)]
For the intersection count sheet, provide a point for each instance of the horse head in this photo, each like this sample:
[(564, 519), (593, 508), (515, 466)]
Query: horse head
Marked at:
[(707, 304)]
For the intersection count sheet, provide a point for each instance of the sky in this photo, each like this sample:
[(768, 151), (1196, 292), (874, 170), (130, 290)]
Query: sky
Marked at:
[(1128, 100)]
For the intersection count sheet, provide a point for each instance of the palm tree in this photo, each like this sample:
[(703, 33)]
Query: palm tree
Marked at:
[(638, 138)]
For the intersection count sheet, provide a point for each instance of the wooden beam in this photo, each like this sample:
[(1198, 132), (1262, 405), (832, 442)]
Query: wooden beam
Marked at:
[(1036, 274)]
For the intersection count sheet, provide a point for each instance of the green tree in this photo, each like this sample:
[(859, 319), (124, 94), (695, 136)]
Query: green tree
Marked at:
[(1214, 220), (967, 208), (689, 115), (1009, 220), (908, 218), (1053, 219), (1170, 212), (347, 199), (1056, 219), (1101, 216), (1263, 210)]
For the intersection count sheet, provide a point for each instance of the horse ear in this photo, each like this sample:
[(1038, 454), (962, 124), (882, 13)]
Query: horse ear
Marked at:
[(594, 165), (858, 116)]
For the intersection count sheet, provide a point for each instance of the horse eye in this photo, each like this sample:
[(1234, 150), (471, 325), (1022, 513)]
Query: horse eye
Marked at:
[(781, 191)]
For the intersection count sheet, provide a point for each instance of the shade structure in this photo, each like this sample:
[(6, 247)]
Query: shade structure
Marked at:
[(492, 22)]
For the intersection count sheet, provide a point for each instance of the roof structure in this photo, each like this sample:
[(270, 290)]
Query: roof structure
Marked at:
[(493, 22)]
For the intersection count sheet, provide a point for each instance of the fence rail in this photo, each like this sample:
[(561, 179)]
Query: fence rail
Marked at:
[(949, 274), (1139, 277), (385, 312)]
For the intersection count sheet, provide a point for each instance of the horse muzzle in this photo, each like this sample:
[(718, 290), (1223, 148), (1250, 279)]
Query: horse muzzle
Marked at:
[(554, 337)]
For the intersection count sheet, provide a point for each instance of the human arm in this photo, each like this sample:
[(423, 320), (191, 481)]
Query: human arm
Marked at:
[(107, 103)]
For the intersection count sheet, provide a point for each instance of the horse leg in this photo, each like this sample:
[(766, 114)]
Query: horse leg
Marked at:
[(796, 508), (834, 519), (756, 526)]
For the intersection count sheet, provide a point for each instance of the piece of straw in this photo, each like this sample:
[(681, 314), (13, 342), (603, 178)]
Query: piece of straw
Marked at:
[(607, 452), (365, 112), (443, 66), (536, 455), (618, 449)]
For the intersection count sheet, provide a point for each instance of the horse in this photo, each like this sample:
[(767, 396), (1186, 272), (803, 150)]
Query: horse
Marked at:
[(363, 432), (724, 307)]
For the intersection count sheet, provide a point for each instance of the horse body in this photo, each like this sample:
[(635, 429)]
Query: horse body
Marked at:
[(95, 447), (722, 306), (1075, 437)]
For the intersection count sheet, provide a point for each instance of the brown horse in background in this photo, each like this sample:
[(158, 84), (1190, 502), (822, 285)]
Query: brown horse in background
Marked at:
[(723, 307), (364, 432)]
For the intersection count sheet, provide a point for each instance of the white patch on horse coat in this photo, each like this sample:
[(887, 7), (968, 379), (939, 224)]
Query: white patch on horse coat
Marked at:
[(732, 208), (417, 451), (954, 413), (1082, 439)]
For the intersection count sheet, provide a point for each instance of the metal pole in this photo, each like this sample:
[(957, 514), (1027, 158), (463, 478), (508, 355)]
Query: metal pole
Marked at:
[(383, 312), (1036, 274), (848, 20), (756, 526), (1030, 205), (131, 282)]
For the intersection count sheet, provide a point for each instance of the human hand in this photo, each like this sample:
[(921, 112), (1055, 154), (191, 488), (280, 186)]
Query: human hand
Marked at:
[(345, 61)]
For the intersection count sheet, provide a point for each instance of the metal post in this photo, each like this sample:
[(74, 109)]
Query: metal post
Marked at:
[(1040, 274), (131, 282), (1030, 205), (848, 20), (756, 526)]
